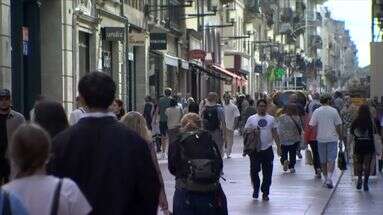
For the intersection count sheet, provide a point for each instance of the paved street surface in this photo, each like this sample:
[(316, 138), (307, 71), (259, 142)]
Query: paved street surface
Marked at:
[(348, 200), (298, 193)]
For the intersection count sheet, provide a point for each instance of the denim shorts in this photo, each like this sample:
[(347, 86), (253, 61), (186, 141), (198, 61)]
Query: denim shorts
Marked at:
[(327, 151)]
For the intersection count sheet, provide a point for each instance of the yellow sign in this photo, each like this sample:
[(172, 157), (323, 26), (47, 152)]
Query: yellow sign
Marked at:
[(358, 101)]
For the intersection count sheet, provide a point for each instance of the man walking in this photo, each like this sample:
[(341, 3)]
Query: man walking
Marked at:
[(163, 104), (10, 120), (111, 164), (328, 123), (231, 119), (263, 159), (214, 119)]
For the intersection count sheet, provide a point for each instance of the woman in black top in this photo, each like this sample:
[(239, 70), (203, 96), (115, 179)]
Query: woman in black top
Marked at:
[(363, 129)]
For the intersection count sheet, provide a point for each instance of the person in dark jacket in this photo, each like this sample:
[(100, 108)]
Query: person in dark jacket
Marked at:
[(187, 200), (363, 129), (111, 164)]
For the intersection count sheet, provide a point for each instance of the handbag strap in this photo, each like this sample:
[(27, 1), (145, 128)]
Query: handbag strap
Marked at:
[(6, 203), (56, 198), (296, 125)]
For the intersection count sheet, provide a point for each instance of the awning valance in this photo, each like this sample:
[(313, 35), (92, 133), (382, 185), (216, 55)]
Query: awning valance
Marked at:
[(226, 72)]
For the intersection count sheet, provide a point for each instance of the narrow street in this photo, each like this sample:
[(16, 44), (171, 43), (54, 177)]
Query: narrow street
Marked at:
[(299, 193)]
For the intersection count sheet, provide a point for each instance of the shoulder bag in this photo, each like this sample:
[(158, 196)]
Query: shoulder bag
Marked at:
[(56, 198), (6, 203)]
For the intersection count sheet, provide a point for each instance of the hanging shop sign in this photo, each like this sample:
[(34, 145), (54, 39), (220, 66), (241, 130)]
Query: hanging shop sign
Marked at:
[(158, 41), (197, 54), (113, 33), (137, 39)]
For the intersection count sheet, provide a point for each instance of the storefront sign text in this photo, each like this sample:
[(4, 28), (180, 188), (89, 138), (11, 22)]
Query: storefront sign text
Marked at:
[(113, 33), (158, 41)]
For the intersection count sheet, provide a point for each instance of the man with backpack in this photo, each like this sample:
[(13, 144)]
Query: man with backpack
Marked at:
[(214, 120), (195, 161)]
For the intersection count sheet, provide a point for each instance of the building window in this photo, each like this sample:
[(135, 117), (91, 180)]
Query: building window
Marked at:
[(137, 4), (84, 55)]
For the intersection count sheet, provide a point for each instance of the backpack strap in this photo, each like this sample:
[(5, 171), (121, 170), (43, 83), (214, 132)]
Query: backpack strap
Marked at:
[(56, 198), (6, 203)]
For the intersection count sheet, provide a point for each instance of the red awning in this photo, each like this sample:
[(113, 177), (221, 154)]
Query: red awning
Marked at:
[(226, 72)]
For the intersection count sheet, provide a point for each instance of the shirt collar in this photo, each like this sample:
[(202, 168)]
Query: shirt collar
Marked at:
[(98, 115)]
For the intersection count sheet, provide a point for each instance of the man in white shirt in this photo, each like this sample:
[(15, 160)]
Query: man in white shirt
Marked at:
[(77, 114), (263, 160), (231, 119), (329, 129)]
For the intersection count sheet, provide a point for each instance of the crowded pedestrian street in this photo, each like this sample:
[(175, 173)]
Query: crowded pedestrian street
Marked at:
[(191, 107), (298, 193)]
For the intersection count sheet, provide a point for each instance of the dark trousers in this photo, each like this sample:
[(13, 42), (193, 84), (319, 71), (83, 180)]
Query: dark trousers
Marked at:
[(192, 203), (5, 171), (262, 160), (314, 150), (290, 152)]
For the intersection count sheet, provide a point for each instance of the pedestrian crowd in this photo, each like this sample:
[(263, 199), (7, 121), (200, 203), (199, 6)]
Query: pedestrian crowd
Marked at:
[(102, 160)]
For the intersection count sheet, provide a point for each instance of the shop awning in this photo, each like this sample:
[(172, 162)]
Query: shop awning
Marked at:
[(226, 72), (171, 60)]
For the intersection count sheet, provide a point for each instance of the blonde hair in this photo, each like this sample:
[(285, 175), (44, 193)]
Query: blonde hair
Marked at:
[(136, 122), (191, 121), (29, 149)]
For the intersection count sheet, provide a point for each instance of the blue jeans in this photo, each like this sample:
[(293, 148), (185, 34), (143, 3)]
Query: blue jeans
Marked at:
[(192, 203)]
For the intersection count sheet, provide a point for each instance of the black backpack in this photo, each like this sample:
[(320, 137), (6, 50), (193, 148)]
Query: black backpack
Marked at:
[(202, 161), (210, 118)]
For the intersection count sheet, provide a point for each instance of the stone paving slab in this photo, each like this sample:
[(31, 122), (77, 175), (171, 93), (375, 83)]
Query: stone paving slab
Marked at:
[(348, 200)]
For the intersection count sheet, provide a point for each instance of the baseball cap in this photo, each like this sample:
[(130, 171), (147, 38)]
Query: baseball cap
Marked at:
[(5, 93)]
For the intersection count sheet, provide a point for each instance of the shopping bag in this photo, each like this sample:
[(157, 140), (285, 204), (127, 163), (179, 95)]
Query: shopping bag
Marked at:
[(309, 157), (342, 165)]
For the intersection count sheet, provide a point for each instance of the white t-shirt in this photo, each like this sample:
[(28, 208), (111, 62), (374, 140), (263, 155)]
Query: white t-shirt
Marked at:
[(76, 115), (174, 115), (265, 124), (36, 194), (326, 119), (231, 112)]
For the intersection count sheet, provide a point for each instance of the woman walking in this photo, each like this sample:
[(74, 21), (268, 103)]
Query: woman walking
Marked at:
[(117, 108), (51, 116), (136, 122), (195, 161), (174, 114), (39, 193), (290, 130), (363, 130)]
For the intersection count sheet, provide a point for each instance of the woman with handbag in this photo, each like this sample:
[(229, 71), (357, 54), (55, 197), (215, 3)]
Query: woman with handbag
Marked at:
[(363, 131), (39, 193), (289, 130)]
